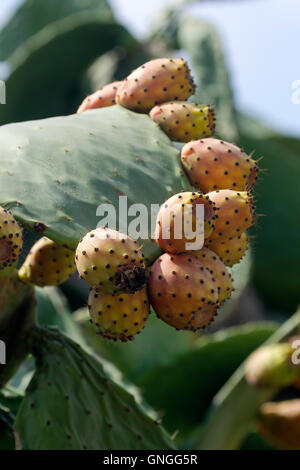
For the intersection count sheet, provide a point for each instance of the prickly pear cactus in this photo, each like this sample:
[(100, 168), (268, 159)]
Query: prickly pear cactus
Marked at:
[(104, 416), (83, 166)]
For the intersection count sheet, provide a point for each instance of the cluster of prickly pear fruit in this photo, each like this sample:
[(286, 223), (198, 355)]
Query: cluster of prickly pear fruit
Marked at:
[(159, 87), (227, 214), (113, 265), (189, 282)]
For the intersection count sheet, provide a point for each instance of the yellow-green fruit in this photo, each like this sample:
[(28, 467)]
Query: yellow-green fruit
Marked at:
[(235, 212), (47, 264), (118, 317), (111, 261), (183, 121), (11, 240), (178, 223), (279, 423), (155, 82), (218, 270), (272, 366), (230, 250)]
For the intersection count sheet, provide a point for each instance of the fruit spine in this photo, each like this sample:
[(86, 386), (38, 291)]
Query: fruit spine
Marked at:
[(179, 225), (101, 98), (118, 317), (215, 164), (11, 240), (183, 121), (111, 261), (155, 82), (180, 287), (47, 264)]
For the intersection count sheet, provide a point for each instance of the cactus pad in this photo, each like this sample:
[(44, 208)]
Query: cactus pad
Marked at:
[(71, 404)]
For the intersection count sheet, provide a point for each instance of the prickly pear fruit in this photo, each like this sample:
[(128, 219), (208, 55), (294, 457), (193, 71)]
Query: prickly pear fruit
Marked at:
[(118, 317), (183, 121), (203, 317), (231, 250), (215, 164), (47, 264), (155, 82), (101, 98), (11, 240), (218, 270), (179, 286), (111, 261), (235, 212), (279, 423), (272, 366), (177, 222)]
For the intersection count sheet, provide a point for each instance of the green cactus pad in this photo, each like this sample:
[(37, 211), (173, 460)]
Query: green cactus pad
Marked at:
[(42, 81), (34, 15), (55, 172), (71, 404)]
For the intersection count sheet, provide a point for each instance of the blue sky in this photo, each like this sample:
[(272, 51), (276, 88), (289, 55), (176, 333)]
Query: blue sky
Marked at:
[(261, 40)]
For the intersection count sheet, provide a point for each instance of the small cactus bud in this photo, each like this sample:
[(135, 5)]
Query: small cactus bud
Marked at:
[(271, 366)]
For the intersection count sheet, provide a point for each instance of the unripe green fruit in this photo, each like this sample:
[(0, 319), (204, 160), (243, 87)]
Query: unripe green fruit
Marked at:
[(271, 366)]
